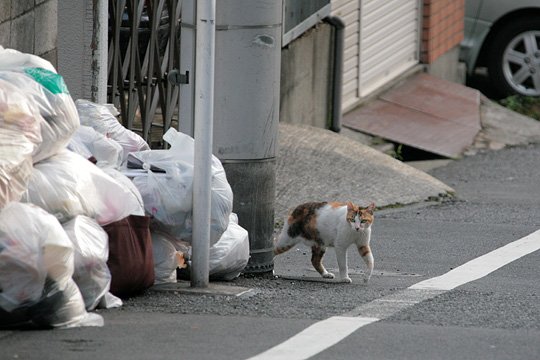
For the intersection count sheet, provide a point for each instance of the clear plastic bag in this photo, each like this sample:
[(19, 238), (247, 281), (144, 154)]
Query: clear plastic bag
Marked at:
[(168, 196), (20, 136), (88, 143), (128, 185), (104, 122), (19, 113), (11, 59), (43, 87), (166, 258), (36, 268), (67, 185), (230, 255), (15, 165), (91, 246)]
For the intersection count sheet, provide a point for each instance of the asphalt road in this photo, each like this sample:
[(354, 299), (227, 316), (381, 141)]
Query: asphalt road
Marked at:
[(495, 317)]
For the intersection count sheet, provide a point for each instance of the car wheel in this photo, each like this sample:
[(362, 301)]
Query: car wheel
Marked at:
[(514, 58)]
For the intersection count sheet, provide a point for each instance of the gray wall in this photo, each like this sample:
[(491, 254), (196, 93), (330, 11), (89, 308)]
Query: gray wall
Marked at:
[(74, 46), (448, 67), (30, 26), (306, 73)]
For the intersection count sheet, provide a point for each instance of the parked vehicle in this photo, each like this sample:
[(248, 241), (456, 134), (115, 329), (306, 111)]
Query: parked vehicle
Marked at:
[(504, 36)]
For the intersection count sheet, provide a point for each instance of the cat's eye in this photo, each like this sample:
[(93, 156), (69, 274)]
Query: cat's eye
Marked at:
[(363, 221)]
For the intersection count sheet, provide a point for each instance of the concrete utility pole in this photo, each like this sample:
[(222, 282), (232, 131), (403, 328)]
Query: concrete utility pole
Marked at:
[(204, 118), (248, 64)]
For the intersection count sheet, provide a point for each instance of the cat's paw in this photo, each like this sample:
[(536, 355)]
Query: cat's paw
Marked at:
[(346, 280), (328, 275)]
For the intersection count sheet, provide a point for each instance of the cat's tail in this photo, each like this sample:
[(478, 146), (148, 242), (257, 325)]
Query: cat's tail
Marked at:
[(283, 243)]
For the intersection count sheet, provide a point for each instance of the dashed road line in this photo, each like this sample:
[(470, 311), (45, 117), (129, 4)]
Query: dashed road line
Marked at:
[(326, 333)]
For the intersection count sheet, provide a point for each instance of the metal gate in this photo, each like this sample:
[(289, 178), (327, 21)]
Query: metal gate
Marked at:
[(144, 53)]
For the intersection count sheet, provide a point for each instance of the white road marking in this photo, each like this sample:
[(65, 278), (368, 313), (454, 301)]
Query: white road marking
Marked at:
[(316, 338), (324, 334), (483, 265)]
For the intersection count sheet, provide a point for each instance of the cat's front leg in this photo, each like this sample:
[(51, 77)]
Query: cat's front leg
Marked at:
[(365, 253), (341, 255)]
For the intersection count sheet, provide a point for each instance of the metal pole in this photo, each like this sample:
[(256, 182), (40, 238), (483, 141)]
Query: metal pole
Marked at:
[(204, 118)]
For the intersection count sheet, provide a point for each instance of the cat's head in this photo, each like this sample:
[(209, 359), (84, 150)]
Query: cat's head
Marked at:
[(358, 217)]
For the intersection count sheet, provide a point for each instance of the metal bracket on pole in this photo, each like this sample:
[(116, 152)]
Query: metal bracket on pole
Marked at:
[(176, 78)]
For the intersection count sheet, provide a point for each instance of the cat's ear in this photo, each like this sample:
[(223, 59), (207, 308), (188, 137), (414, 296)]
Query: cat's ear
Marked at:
[(350, 206), (371, 208)]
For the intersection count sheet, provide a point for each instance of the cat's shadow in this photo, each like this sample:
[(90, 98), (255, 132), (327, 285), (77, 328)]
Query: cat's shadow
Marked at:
[(318, 279)]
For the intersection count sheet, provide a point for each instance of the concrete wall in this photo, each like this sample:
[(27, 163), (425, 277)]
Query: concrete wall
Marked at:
[(30, 26), (74, 52), (306, 70), (448, 67)]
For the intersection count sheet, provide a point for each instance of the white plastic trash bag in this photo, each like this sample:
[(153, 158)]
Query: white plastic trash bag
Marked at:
[(88, 143), (22, 267), (15, 165), (19, 113), (230, 255), (67, 185), (167, 188), (166, 258), (128, 185), (104, 122), (36, 268), (38, 80), (91, 247), (168, 196), (20, 136), (12, 59)]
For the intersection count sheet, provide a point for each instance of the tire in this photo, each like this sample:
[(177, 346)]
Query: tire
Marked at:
[(514, 58)]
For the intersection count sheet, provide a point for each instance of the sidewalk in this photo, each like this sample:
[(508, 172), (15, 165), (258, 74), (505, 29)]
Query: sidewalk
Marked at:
[(319, 165)]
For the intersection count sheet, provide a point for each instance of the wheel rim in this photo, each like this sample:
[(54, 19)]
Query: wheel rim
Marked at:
[(521, 63)]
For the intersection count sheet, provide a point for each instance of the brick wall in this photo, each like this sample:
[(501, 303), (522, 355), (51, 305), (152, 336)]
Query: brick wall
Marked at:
[(442, 28), (30, 26)]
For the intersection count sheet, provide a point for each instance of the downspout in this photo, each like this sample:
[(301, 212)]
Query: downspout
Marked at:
[(337, 75)]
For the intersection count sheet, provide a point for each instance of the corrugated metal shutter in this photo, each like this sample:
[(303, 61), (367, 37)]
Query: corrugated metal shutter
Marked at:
[(381, 42), (349, 11), (388, 41)]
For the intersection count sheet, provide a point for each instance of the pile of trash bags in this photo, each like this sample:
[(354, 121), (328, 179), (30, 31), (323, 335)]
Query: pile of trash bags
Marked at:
[(89, 214)]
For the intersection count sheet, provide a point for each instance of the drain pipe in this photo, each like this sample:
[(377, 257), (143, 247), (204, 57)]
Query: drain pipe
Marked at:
[(337, 76)]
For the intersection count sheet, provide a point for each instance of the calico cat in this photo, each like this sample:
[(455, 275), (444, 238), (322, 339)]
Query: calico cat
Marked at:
[(324, 224)]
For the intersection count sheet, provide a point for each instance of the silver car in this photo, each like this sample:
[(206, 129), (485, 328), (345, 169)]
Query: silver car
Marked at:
[(504, 36)]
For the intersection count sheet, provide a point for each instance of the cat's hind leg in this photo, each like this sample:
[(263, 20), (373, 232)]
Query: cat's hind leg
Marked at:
[(367, 256), (317, 253)]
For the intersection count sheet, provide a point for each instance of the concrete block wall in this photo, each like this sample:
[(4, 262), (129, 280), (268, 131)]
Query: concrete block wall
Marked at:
[(306, 73), (442, 28), (30, 26)]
